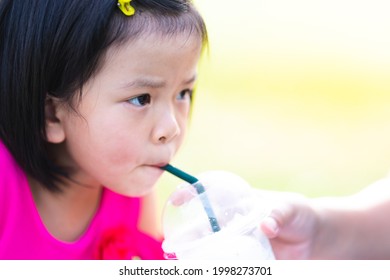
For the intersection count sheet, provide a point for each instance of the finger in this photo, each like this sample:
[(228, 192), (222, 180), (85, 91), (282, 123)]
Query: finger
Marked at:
[(279, 217), (270, 227), (182, 196)]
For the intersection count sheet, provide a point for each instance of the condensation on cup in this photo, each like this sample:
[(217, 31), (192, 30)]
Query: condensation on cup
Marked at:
[(238, 208)]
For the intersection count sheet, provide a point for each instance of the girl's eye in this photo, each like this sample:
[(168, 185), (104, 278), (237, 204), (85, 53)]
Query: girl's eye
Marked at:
[(141, 100), (185, 95)]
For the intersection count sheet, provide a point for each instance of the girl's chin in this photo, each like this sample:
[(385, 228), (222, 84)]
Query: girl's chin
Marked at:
[(133, 192), (141, 183), (136, 190)]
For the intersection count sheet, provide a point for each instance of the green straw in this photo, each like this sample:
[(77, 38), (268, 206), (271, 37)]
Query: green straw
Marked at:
[(199, 189)]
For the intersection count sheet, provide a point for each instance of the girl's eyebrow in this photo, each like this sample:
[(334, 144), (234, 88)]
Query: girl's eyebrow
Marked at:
[(144, 82), (152, 83), (191, 80)]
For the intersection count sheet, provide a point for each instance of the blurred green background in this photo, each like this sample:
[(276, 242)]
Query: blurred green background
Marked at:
[(292, 95)]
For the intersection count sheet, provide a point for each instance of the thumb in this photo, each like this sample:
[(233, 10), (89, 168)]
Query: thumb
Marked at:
[(269, 226), (279, 217)]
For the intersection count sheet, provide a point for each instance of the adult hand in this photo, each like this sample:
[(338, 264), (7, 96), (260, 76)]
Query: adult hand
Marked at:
[(291, 226)]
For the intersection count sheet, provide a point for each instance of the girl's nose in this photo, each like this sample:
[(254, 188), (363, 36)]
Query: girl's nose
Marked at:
[(166, 129)]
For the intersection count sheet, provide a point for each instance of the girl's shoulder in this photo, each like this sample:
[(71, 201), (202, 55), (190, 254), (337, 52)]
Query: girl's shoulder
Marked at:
[(5, 155), (12, 180), (10, 172)]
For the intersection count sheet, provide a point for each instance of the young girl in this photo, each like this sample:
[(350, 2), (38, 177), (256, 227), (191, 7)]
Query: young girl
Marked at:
[(94, 99), (352, 227)]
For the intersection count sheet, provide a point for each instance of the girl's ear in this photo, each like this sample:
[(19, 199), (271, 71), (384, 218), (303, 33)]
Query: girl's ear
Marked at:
[(54, 129)]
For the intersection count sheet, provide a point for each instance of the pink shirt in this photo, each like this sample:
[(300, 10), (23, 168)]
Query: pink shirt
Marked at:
[(112, 234)]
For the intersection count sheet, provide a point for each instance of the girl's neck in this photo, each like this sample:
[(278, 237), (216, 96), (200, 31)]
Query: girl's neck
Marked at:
[(68, 214)]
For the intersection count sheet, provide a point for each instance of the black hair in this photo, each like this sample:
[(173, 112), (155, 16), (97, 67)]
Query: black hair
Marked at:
[(52, 47)]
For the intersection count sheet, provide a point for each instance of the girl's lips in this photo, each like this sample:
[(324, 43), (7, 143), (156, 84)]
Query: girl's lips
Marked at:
[(159, 165), (154, 169)]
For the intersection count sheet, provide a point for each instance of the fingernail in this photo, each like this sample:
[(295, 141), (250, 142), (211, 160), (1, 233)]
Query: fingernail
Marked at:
[(271, 225)]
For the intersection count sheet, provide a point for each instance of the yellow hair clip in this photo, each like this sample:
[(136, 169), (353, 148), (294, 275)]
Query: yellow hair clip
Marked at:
[(125, 7)]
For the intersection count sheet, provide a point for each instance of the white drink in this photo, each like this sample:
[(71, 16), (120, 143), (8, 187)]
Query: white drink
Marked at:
[(238, 209)]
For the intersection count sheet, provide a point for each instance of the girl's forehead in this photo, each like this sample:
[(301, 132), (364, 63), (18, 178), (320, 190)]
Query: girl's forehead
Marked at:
[(186, 38), (147, 41), (154, 51), (159, 25)]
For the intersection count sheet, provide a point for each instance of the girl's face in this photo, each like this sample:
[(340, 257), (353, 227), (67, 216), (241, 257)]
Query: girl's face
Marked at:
[(133, 114)]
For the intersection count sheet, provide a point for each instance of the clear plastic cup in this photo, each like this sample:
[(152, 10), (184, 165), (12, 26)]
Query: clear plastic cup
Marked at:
[(238, 209)]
